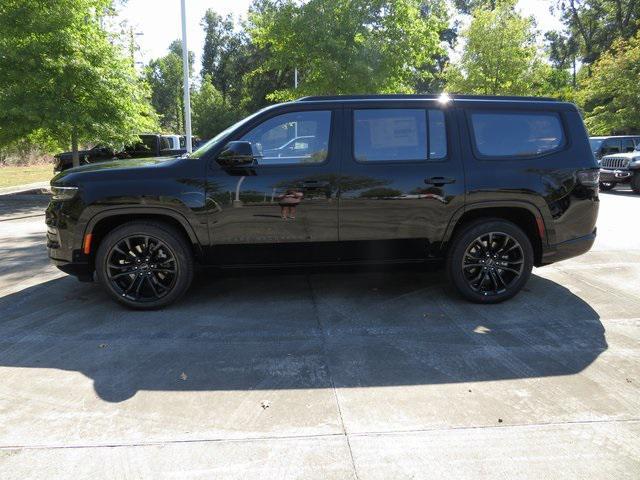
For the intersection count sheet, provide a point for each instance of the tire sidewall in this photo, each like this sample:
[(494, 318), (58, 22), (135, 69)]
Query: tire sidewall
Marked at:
[(168, 235), (460, 245)]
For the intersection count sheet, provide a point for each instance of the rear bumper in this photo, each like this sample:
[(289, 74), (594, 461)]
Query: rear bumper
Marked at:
[(569, 249)]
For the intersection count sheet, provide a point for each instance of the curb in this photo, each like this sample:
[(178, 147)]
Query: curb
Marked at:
[(29, 188)]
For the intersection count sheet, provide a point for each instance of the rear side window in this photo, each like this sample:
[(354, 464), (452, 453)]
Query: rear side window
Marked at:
[(516, 134), (381, 135)]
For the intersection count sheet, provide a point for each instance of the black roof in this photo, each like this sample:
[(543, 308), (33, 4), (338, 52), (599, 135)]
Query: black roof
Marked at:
[(314, 98)]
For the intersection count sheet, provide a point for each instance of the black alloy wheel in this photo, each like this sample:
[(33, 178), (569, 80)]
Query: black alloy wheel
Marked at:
[(145, 265), (490, 260), (141, 268), (492, 263)]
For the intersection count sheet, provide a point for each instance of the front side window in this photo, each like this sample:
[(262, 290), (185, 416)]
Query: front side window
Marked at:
[(516, 134), (292, 138)]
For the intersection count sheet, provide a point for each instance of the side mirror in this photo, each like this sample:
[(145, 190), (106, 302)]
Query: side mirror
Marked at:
[(237, 154)]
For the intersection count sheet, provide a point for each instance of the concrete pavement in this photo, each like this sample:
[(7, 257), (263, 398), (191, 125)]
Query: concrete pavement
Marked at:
[(323, 374)]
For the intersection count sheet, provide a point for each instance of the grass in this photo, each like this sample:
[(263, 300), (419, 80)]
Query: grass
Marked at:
[(13, 176)]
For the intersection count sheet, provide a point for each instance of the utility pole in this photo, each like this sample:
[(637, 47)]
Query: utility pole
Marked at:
[(295, 78), (185, 87)]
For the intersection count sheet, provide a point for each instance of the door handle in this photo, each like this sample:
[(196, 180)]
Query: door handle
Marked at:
[(439, 181)]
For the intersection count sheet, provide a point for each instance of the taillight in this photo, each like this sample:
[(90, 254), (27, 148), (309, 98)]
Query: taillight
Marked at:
[(589, 178)]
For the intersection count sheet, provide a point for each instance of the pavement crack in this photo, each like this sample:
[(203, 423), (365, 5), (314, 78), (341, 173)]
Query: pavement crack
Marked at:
[(323, 336)]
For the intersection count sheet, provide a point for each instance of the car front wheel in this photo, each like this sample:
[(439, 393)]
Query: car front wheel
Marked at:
[(490, 260), (145, 265)]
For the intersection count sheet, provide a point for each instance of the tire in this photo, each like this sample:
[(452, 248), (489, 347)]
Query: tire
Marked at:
[(145, 265), (499, 276), (635, 182), (606, 186)]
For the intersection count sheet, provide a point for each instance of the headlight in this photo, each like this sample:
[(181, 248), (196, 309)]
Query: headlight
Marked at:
[(63, 193), (635, 161)]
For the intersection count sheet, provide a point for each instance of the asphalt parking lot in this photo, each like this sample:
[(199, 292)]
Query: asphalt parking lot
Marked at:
[(323, 374)]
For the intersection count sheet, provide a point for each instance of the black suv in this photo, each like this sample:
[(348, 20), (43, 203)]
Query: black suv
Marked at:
[(492, 185)]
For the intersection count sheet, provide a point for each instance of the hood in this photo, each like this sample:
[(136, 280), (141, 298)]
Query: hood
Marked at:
[(629, 155), (110, 166)]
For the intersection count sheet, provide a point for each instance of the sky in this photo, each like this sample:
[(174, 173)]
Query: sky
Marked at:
[(157, 22)]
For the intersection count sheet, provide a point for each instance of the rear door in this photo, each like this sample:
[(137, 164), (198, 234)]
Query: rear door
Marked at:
[(401, 178)]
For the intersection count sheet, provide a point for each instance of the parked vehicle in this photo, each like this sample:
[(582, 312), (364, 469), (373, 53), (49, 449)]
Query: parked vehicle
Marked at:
[(149, 145), (491, 185), (601, 146), (621, 168)]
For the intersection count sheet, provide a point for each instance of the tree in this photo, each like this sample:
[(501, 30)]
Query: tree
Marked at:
[(224, 55), (610, 96), (211, 114), (595, 24), (165, 78), (500, 55), (66, 77), (372, 46), (468, 6)]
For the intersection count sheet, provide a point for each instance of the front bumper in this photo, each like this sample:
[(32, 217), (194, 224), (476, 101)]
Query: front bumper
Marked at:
[(615, 176), (62, 246), (569, 249)]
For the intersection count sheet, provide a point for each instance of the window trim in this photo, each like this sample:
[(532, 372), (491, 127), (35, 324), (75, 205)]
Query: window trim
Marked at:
[(505, 158), (425, 109), (332, 122)]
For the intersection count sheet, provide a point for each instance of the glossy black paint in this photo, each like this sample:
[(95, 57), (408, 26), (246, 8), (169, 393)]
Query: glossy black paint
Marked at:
[(231, 212)]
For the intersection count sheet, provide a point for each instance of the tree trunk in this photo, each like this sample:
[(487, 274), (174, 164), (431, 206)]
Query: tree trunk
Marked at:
[(75, 156)]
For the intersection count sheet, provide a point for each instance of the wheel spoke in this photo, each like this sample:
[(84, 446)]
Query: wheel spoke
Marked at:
[(483, 261), (133, 271)]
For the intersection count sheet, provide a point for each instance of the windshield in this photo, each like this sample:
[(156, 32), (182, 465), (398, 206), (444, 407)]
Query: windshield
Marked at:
[(595, 143), (214, 141)]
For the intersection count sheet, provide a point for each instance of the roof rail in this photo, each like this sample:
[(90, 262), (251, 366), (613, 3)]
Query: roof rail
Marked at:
[(426, 96)]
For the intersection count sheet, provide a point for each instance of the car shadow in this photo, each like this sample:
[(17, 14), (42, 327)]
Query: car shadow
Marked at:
[(299, 330)]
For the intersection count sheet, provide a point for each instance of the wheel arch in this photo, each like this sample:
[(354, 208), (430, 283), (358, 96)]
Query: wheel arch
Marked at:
[(104, 222), (523, 214)]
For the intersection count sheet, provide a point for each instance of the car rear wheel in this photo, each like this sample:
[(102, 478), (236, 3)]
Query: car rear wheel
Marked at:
[(145, 265), (490, 260), (635, 182), (606, 186)]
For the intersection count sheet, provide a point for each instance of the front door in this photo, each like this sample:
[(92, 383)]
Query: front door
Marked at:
[(401, 178), (274, 209)]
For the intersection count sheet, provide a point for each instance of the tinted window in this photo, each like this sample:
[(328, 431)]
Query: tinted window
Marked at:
[(292, 138), (628, 145), (398, 134), (611, 146), (437, 135), (513, 134), (164, 143)]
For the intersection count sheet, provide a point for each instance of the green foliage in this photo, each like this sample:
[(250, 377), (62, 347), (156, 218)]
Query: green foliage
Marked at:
[(593, 25), (64, 75), (611, 95), (165, 78), (500, 56), (211, 114), (348, 46)]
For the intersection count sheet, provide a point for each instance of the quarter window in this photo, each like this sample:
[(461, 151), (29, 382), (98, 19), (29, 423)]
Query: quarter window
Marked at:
[(292, 138), (514, 134)]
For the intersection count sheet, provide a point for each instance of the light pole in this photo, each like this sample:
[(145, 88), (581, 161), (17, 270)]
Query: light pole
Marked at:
[(185, 87)]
